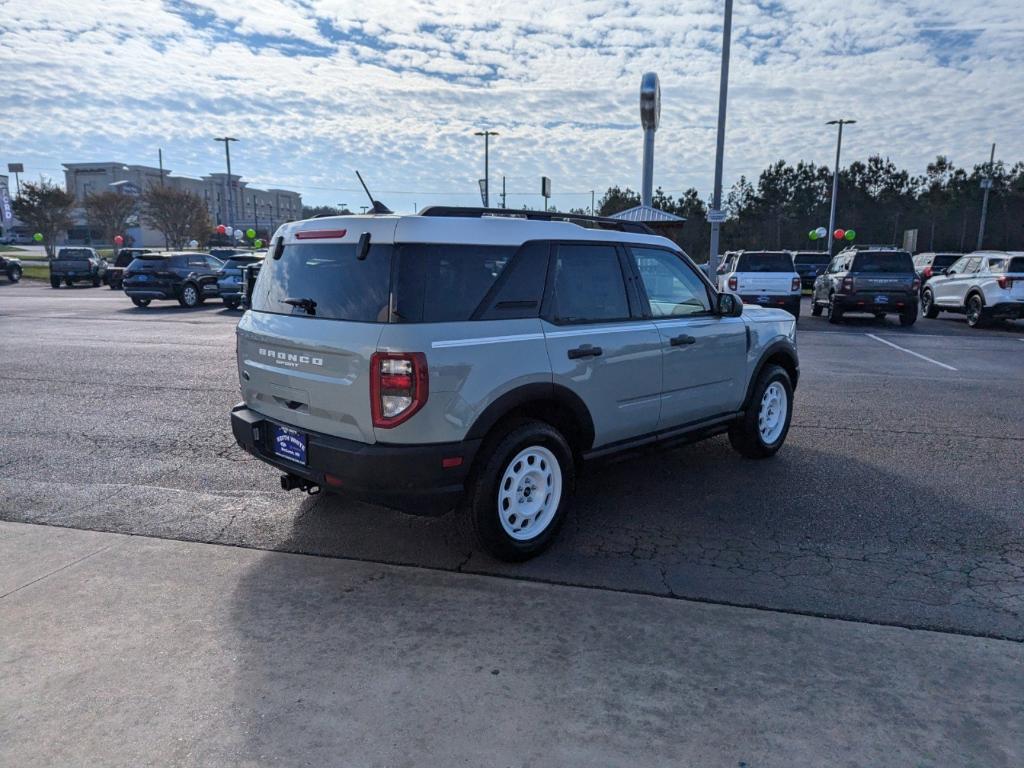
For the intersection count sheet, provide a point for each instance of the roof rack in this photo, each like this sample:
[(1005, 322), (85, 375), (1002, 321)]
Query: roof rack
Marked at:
[(599, 222)]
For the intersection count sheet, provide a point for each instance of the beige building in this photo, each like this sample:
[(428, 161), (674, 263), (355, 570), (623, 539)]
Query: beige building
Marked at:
[(241, 206)]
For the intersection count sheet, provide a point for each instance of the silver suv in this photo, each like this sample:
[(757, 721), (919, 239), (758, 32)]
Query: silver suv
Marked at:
[(473, 359)]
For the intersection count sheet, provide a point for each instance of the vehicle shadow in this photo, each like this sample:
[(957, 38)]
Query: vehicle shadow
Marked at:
[(324, 653)]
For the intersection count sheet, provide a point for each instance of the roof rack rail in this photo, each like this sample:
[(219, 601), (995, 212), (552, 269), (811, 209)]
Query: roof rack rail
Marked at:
[(600, 222)]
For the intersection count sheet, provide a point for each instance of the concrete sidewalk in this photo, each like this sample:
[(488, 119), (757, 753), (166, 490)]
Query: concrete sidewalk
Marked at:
[(118, 650)]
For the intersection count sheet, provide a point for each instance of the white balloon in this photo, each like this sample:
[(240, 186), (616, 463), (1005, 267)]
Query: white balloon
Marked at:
[(238, 234), (821, 231), (193, 243)]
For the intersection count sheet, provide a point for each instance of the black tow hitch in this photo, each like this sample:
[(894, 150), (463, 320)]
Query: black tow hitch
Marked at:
[(291, 482)]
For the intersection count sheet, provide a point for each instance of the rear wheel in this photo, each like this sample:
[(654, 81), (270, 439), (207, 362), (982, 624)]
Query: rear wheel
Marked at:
[(928, 307), (140, 302), (517, 497), (55, 282), (976, 316), (68, 282), (189, 296), (763, 428), (908, 317), (14, 273), (815, 308), (96, 282), (232, 303), (835, 314)]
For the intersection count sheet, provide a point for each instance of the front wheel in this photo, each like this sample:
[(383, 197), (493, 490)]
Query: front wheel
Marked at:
[(763, 428), (909, 317), (55, 282), (517, 498), (68, 282), (96, 282), (928, 307), (14, 274), (232, 303), (189, 296), (140, 302)]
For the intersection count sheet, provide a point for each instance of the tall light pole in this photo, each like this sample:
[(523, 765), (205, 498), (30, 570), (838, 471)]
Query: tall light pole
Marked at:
[(715, 214), (986, 184), (835, 182), (487, 170), (227, 154)]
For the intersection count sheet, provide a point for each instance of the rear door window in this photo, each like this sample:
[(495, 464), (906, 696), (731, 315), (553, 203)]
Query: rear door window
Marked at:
[(340, 286), (764, 262), (587, 284)]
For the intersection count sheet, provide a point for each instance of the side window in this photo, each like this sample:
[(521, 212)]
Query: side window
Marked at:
[(439, 283), (179, 262), (958, 266), (213, 263), (973, 265), (519, 290), (587, 284), (197, 261), (673, 289)]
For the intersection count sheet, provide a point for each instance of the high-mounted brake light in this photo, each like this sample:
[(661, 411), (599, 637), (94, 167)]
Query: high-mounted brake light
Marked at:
[(398, 386), (319, 234)]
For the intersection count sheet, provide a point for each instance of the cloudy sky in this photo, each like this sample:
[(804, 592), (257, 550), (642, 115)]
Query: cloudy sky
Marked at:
[(395, 88)]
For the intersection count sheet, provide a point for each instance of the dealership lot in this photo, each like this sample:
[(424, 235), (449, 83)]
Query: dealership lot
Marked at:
[(897, 498)]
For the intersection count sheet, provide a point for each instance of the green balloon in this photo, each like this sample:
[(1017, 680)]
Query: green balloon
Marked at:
[(813, 234), (850, 234), (258, 243), (250, 233), (38, 237)]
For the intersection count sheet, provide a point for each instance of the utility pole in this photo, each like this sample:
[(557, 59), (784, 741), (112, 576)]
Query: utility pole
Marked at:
[(715, 215), (160, 154), (591, 202), (487, 172), (986, 184), (835, 183), (227, 154), (503, 190), (256, 213)]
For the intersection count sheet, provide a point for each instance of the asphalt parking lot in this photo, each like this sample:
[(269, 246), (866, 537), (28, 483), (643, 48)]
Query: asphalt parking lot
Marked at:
[(897, 499)]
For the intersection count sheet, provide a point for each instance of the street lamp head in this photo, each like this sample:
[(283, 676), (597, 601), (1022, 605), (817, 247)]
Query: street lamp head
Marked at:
[(840, 122), (224, 138), (486, 133)]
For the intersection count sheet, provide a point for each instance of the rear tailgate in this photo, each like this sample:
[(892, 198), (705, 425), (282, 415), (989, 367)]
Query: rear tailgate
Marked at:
[(764, 282)]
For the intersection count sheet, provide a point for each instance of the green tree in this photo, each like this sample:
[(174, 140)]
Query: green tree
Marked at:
[(46, 208), (109, 212)]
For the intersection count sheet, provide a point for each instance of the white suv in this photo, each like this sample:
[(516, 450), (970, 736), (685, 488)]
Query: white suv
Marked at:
[(984, 285), (767, 278)]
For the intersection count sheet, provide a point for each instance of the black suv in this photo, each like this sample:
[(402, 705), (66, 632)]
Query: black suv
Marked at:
[(125, 256), (190, 278), (809, 264), (928, 265), (877, 281)]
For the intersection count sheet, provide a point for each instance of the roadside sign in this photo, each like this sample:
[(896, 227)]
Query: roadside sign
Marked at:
[(545, 186), (986, 183), (16, 167), (910, 240), (716, 215), (6, 211)]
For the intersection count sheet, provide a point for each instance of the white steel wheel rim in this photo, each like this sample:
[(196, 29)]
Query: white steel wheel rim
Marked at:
[(771, 417), (529, 493), (190, 294)]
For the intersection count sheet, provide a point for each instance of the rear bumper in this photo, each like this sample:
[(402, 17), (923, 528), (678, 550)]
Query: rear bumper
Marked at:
[(895, 301), (149, 293), (410, 478), (788, 302), (1007, 309)]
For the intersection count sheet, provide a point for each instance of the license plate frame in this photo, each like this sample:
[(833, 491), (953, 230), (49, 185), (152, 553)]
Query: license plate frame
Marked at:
[(290, 444), (881, 299)]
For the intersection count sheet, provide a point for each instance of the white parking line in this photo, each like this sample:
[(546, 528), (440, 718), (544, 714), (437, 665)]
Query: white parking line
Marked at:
[(910, 352)]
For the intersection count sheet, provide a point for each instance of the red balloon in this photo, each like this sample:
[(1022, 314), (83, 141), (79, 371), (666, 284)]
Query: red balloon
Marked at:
[(839, 234), (118, 240), (221, 229)]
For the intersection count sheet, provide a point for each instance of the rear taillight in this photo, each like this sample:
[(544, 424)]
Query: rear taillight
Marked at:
[(915, 285), (926, 273), (398, 386), (795, 285), (1004, 282), (847, 285), (732, 284)]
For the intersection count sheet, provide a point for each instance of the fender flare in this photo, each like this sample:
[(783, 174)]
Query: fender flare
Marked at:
[(783, 346), (538, 392)]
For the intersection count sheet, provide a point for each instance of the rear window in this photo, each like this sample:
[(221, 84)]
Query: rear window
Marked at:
[(329, 274), (883, 261), (149, 262), (74, 253), (818, 259), (765, 262), (943, 260)]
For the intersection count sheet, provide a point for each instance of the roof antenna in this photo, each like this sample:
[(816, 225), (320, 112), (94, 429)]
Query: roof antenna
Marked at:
[(377, 205)]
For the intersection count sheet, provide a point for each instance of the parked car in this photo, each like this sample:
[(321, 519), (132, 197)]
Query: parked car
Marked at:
[(985, 286), (10, 267), (767, 278), (878, 281), (927, 265), (125, 256), (227, 253), (189, 277), (459, 358), (809, 264), (229, 277), (72, 264)]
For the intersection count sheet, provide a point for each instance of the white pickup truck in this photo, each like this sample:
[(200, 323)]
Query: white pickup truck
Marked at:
[(765, 278)]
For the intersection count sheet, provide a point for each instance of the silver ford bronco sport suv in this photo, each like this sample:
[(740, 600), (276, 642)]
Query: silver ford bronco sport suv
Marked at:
[(473, 359)]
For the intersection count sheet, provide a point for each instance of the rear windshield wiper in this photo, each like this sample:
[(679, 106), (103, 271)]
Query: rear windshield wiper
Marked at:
[(307, 304)]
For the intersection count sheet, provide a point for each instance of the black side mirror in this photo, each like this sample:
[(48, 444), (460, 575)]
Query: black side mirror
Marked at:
[(729, 305), (947, 271)]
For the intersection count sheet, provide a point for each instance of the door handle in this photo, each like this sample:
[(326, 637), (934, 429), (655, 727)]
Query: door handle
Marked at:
[(678, 341), (584, 351)]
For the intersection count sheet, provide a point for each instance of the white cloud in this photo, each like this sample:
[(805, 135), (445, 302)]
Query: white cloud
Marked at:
[(395, 88)]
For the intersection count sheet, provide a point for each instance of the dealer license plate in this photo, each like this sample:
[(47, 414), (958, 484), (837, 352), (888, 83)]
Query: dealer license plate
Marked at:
[(289, 444), (881, 299)]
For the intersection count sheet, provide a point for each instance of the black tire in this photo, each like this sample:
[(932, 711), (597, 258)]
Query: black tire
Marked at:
[(815, 308), (232, 303), (928, 308), (96, 282), (140, 302), (976, 315), (480, 514), (54, 282), (835, 314), (68, 282), (909, 317), (745, 433), (190, 296), (14, 274)]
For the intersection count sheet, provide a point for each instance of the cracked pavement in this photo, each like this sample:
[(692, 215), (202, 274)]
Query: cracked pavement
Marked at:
[(897, 498)]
